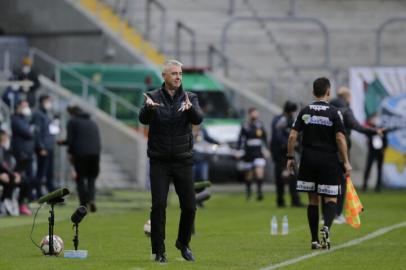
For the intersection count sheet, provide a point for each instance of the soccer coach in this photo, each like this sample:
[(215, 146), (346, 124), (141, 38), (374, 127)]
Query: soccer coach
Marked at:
[(170, 113), (319, 173)]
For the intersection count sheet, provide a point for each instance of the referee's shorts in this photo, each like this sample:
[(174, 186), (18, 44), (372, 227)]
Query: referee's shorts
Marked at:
[(319, 172)]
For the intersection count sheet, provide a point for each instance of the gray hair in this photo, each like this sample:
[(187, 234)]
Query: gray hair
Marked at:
[(169, 63)]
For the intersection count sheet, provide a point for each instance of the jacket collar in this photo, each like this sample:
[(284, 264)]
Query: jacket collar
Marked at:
[(178, 93)]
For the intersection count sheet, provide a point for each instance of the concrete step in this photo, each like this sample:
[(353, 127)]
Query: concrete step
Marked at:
[(111, 174)]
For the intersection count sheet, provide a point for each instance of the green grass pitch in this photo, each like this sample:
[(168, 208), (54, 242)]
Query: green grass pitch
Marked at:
[(230, 234)]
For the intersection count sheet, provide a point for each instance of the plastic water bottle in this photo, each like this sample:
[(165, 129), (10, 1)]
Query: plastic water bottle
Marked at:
[(285, 225), (274, 226)]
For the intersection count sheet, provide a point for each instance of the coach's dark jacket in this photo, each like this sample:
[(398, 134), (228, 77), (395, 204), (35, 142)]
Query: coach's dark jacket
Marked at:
[(170, 130), (350, 123)]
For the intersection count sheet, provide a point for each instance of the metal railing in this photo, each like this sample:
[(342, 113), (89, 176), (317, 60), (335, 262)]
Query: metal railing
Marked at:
[(54, 69), (121, 142), (127, 10), (379, 34), (231, 7), (292, 8), (6, 64), (240, 71), (180, 26), (148, 15), (271, 36), (326, 48), (10, 59), (211, 54)]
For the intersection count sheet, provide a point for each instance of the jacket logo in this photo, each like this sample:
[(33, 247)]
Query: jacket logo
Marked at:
[(316, 120), (318, 107)]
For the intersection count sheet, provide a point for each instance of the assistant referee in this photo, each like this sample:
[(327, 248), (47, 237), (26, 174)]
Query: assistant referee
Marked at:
[(319, 173)]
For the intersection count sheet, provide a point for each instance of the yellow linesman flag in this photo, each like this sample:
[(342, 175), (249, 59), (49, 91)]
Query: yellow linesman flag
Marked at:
[(353, 206)]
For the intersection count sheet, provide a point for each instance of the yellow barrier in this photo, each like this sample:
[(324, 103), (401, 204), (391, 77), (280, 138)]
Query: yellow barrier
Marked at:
[(129, 34)]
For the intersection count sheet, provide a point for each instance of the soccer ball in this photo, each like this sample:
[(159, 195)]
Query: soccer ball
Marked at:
[(58, 245), (147, 228)]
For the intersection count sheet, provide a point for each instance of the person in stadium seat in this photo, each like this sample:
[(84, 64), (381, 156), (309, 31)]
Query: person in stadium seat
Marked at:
[(22, 145), (323, 133), (170, 112), (27, 73), (13, 94), (9, 179), (45, 143), (252, 142)]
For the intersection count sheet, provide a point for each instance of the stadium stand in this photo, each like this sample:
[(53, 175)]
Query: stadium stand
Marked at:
[(269, 69)]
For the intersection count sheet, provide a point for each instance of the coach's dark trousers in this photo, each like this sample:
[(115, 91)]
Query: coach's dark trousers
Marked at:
[(181, 174)]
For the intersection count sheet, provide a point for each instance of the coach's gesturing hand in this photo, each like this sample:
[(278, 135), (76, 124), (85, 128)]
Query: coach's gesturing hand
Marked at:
[(186, 105), (149, 102)]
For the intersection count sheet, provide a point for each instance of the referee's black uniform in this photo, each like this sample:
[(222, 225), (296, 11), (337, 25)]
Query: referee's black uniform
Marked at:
[(319, 173)]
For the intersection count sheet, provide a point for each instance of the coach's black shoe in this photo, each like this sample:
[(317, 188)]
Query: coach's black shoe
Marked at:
[(316, 245), (185, 251), (325, 237), (161, 258)]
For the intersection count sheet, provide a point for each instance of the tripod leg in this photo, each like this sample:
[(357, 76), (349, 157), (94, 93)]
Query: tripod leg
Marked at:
[(76, 238), (51, 231)]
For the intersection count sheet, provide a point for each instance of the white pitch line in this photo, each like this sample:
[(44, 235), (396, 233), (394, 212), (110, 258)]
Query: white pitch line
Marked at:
[(354, 242)]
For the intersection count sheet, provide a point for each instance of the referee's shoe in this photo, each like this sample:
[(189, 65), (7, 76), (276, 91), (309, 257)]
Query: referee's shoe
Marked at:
[(325, 237), (185, 251)]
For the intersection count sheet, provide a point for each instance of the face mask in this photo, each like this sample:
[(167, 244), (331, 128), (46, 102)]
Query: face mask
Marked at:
[(47, 106), (26, 69), (15, 87), (26, 89), (6, 145), (26, 111)]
